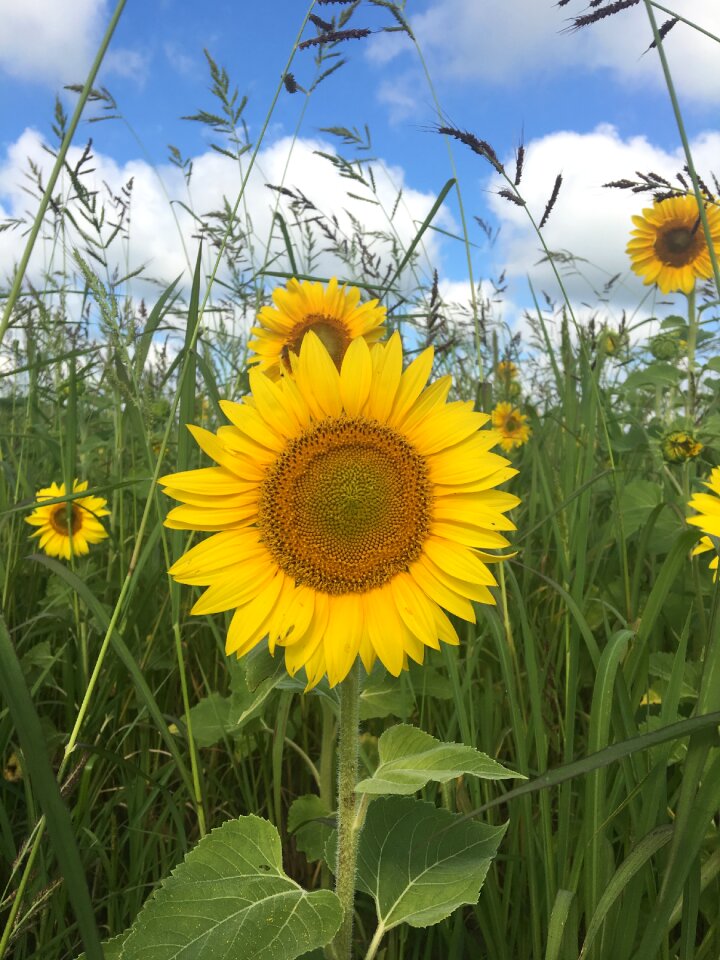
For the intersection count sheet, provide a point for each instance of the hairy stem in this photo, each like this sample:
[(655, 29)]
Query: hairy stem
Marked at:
[(347, 832)]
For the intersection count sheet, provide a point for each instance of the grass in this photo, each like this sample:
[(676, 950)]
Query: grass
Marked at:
[(120, 757)]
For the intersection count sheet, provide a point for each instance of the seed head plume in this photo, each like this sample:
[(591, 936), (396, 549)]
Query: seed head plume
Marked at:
[(602, 12), (512, 197), (481, 147), (519, 160), (664, 30), (320, 24), (334, 36), (551, 201)]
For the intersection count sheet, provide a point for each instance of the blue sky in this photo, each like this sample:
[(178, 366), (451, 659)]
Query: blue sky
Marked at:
[(589, 105)]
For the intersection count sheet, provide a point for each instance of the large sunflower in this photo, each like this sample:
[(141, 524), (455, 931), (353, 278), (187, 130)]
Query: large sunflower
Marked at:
[(71, 526), (708, 518), (669, 247), (511, 424), (334, 314), (348, 508)]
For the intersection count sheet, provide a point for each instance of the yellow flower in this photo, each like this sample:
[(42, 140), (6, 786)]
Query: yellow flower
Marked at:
[(679, 446), (709, 518), (612, 341), (506, 370), (348, 508), (668, 246), (511, 424), (70, 526), (335, 314)]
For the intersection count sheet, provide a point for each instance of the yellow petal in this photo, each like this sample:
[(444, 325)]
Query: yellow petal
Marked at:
[(355, 377)]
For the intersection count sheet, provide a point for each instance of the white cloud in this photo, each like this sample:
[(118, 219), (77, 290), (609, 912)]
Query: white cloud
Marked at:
[(588, 220), (48, 41), (130, 64), (51, 42), (154, 237), (510, 43)]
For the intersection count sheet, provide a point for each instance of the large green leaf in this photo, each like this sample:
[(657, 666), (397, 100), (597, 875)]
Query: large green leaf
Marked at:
[(653, 375), (112, 949), (308, 819), (410, 758), (231, 900), (383, 695), (419, 863)]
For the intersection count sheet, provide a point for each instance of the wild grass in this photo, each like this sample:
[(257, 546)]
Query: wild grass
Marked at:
[(588, 677)]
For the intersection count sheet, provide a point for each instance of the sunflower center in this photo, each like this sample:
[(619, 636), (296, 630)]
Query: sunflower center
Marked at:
[(678, 246), (59, 519), (346, 506), (330, 330), (511, 424)]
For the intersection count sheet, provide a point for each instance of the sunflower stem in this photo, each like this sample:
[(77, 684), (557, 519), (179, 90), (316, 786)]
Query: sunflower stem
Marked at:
[(347, 829), (691, 344)]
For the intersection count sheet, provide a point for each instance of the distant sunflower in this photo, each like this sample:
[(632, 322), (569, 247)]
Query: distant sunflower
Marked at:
[(348, 508), (70, 526), (669, 247), (334, 314), (708, 519), (680, 446), (511, 424), (506, 370)]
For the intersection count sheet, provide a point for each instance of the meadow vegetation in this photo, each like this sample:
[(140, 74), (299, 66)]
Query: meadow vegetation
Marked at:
[(594, 676)]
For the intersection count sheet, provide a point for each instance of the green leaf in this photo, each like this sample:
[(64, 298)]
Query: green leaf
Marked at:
[(654, 375), (410, 758), (637, 501), (46, 791), (420, 863), (306, 820), (112, 949), (383, 695), (229, 900), (209, 719)]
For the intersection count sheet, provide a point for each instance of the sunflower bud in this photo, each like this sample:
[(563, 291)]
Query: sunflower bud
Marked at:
[(665, 346), (680, 446)]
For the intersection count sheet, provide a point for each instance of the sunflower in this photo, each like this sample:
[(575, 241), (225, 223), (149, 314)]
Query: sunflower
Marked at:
[(680, 446), (669, 247), (348, 508), (511, 424), (708, 519), (334, 314), (68, 528), (506, 370)]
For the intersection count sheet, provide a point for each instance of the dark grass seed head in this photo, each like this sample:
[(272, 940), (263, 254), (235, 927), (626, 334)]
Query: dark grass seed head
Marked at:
[(519, 160), (512, 197), (551, 201), (481, 147), (664, 30), (601, 13), (334, 36)]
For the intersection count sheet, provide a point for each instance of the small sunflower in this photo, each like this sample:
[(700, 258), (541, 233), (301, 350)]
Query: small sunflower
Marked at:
[(680, 446), (665, 346), (668, 244), (348, 508), (511, 424), (334, 314), (612, 341), (71, 526), (708, 519), (506, 370)]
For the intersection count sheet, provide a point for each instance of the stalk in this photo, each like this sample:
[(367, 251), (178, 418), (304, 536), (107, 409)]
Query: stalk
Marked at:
[(347, 829)]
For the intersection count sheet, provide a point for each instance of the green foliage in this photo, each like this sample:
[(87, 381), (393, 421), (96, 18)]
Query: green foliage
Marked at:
[(419, 863), (410, 758), (231, 898)]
